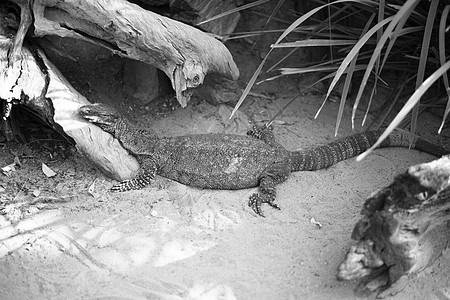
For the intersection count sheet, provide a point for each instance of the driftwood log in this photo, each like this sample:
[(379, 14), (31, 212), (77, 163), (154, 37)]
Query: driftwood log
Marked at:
[(33, 81), (404, 228), (193, 12), (184, 53), (144, 84), (27, 77)]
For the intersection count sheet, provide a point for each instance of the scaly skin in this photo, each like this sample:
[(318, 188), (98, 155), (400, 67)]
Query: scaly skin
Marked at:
[(226, 161)]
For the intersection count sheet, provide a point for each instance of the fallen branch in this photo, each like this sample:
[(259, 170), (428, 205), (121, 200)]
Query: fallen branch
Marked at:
[(35, 82), (185, 54)]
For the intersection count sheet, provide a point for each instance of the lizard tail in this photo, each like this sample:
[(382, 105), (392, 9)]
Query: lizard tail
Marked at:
[(347, 147)]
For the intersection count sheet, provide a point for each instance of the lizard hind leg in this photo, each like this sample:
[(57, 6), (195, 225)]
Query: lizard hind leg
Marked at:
[(267, 187)]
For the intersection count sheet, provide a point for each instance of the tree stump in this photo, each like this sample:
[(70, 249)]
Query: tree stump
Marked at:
[(404, 228)]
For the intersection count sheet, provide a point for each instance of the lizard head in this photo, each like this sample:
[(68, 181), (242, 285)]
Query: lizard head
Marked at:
[(101, 115)]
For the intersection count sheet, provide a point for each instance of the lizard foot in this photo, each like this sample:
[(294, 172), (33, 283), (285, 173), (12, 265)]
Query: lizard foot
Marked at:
[(256, 200), (133, 184), (259, 131)]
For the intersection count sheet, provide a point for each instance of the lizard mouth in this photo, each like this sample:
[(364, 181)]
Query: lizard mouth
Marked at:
[(93, 119), (87, 114), (94, 115)]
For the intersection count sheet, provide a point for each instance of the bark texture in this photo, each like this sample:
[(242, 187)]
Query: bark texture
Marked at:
[(404, 228)]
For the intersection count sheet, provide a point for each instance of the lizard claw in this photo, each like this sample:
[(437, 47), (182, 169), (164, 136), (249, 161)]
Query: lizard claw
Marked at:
[(258, 131), (256, 200), (133, 184), (122, 186), (126, 185)]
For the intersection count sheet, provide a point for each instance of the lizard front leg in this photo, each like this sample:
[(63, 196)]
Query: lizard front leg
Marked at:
[(147, 173), (271, 177)]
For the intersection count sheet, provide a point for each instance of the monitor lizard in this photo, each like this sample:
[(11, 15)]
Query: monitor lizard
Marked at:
[(228, 161)]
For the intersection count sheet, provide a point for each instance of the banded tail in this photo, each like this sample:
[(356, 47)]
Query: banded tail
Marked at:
[(347, 147)]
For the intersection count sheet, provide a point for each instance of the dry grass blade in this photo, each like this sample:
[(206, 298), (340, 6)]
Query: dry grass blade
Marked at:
[(272, 15), (402, 13), (348, 79), (412, 101), (250, 85), (315, 30), (281, 60), (277, 8), (245, 34), (258, 70), (331, 75), (281, 110), (372, 94), (442, 25), (292, 27), (399, 31), (390, 103), (423, 58), (314, 43), (352, 55), (291, 71), (312, 12), (381, 12), (232, 11)]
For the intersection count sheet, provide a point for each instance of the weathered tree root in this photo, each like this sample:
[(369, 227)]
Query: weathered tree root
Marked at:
[(405, 227), (33, 81), (28, 78), (184, 53)]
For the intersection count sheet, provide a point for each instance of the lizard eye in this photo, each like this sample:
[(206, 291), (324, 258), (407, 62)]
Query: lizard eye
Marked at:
[(196, 80)]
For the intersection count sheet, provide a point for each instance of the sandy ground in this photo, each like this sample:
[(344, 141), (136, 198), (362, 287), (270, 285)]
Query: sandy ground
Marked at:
[(68, 237)]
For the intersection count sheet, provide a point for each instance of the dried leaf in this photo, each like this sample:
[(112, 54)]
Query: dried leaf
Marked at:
[(17, 162), (9, 169), (318, 224), (91, 189), (47, 171)]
